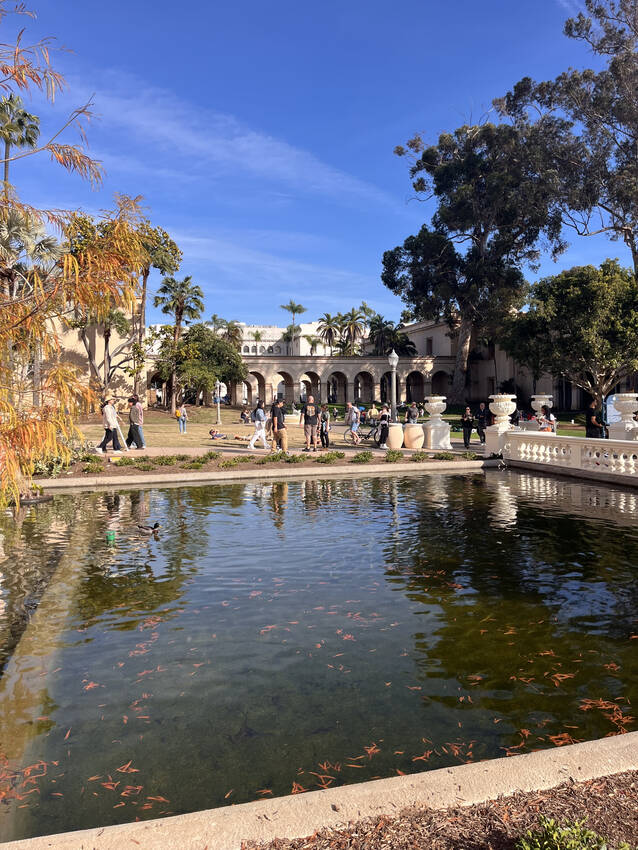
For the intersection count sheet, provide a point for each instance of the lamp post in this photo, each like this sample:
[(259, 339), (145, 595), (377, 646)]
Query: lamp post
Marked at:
[(393, 360), (218, 389)]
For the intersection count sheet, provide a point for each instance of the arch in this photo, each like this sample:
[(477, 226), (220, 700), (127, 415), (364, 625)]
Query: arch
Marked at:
[(312, 383), (270, 349), (259, 384), (277, 349), (246, 349), (262, 349), (336, 388), (440, 383), (254, 351), (385, 387), (285, 387), (364, 387), (415, 387)]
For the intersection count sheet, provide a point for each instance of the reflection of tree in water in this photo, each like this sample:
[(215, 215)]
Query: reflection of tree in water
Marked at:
[(34, 539), (520, 617)]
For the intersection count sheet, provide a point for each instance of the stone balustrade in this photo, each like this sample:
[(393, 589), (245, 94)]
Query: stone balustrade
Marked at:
[(590, 457)]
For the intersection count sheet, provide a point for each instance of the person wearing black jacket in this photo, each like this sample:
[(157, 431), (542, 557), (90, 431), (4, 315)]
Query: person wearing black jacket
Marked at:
[(481, 421), (467, 423)]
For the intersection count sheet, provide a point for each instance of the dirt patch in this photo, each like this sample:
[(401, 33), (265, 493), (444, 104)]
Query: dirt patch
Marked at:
[(610, 806)]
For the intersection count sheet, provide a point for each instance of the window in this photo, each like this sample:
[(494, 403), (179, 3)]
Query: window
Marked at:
[(429, 345), (277, 349), (246, 350), (254, 349), (270, 349), (262, 349)]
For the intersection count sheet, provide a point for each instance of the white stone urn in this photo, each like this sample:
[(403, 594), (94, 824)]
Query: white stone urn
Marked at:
[(437, 432), (502, 405), (395, 435), (540, 401), (627, 429), (435, 405)]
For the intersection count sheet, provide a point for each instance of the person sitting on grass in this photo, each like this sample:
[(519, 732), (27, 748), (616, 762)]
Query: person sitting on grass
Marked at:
[(217, 435)]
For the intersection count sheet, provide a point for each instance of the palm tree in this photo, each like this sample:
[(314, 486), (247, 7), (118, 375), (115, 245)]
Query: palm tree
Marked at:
[(353, 325), (381, 334), (257, 336), (184, 300), (402, 344), (313, 342), (217, 322), (18, 128), (328, 330), (233, 334), (288, 336), (294, 310)]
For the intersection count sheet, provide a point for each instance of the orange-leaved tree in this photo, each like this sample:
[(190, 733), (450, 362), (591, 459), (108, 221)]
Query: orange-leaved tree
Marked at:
[(50, 270)]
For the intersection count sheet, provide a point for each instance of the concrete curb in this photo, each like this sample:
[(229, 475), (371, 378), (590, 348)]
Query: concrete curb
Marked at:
[(300, 815), (282, 471)]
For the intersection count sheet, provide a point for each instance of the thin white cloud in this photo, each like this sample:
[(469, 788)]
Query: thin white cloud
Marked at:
[(187, 139), (572, 7)]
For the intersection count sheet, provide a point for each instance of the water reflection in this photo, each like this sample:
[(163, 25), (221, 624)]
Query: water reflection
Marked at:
[(276, 627)]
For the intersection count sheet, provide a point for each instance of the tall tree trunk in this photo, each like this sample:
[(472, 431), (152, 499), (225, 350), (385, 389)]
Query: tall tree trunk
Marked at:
[(107, 358), (457, 393), (140, 381), (176, 335), (37, 376)]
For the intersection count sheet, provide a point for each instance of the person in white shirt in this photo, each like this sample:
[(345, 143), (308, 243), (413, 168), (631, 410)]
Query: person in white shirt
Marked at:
[(109, 422), (547, 420), (259, 418)]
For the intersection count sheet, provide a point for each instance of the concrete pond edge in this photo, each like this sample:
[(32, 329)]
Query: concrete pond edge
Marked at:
[(300, 815), (278, 473)]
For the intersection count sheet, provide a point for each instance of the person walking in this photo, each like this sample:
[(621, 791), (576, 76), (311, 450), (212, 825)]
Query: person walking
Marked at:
[(310, 415), (182, 418), (352, 421), (133, 435), (593, 428), (412, 414), (481, 421), (279, 433), (467, 423), (140, 408), (324, 427), (384, 426), (260, 426), (109, 423)]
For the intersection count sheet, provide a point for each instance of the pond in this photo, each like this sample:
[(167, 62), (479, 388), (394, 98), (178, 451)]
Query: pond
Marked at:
[(283, 637)]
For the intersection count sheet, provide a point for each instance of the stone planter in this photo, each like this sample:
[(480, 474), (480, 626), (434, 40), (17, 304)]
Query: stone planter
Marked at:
[(627, 429), (413, 436), (437, 432), (395, 436), (540, 401), (502, 406)]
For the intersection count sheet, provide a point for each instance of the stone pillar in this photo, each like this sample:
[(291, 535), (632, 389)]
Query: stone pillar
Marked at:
[(271, 393), (289, 393), (437, 432), (401, 390), (317, 392), (350, 391), (376, 391)]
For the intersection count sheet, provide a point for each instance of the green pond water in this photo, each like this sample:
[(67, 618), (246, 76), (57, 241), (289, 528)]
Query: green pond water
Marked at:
[(282, 637)]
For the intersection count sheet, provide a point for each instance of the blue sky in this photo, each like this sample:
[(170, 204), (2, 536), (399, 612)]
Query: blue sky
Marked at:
[(261, 135)]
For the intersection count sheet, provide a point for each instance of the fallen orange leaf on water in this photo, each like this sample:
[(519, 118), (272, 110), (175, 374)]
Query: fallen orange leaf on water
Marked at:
[(297, 788), (264, 791), (228, 793)]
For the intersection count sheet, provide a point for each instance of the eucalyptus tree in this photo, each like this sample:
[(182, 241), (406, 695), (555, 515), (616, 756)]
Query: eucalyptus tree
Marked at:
[(18, 128), (183, 300), (493, 208), (588, 121)]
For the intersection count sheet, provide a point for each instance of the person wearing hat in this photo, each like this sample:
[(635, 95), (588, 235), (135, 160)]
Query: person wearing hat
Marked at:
[(134, 435), (109, 422)]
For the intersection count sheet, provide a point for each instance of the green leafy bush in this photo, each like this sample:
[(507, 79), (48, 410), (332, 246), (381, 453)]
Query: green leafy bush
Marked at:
[(182, 458), (568, 836), (165, 460), (330, 457), (276, 457), (362, 457), (208, 456), (393, 456), (420, 457), (144, 466), (294, 459), (444, 456), (144, 459), (93, 468), (126, 461), (470, 456)]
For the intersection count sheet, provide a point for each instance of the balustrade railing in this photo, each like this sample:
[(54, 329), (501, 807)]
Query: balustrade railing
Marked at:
[(591, 455)]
